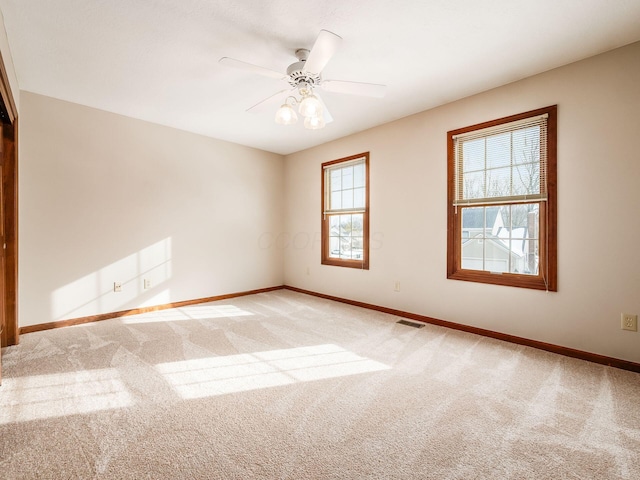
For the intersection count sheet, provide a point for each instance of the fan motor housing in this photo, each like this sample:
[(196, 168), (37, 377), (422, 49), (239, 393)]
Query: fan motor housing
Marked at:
[(297, 75)]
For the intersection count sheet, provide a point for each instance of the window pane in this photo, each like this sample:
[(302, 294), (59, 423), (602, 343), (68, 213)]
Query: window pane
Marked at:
[(496, 256), (526, 179), (345, 247), (516, 244), (347, 177), (499, 150), (473, 221), (526, 145), (334, 225), (501, 239), (493, 221), (359, 175), (345, 225), (336, 180), (473, 185), (347, 198), (473, 155), (473, 253), (499, 182), (336, 200), (346, 236), (358, 198), (334, 247), (530, 258), (525, 220), (357, 248), (510, 160), (357, 225)]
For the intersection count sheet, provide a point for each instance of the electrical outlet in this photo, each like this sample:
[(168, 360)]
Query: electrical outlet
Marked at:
[(146, 283), (396, 287), (629, 322), (117, 286)]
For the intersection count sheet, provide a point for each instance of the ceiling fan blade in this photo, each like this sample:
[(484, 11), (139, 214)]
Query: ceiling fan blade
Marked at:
[(325, 111), (354, 88), (326, 45), (269, 101), (232, 62)]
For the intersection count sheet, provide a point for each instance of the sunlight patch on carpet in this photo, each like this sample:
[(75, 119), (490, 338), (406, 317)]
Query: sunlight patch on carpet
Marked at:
[(206, 377), (46, 396)]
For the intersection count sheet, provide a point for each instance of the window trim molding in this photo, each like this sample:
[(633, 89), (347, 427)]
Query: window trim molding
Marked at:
[(342, 262), (547, 279)]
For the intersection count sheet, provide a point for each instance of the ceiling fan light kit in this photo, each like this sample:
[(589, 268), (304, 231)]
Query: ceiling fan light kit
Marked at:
[(286, 115), (314, 123), (304, 75), (310, 106)]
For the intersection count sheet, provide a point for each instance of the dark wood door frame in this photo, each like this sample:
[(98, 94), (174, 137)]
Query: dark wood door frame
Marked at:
[(9, 119)]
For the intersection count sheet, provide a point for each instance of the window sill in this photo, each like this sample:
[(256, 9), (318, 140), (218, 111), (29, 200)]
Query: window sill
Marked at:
[(337, 262), (506, 279)]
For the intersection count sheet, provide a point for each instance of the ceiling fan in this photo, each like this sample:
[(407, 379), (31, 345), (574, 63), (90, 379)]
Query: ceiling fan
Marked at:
[(303, 77)]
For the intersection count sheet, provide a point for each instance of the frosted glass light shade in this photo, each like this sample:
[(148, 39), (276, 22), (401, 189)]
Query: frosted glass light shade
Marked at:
[(314, 123), (286, 115), (310, 106)]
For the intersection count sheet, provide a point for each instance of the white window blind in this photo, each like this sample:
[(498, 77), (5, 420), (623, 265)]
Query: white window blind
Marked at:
[(345, 187), (504, 164)]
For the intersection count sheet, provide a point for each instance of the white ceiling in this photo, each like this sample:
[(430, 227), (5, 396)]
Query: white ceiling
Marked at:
[(157, 60)]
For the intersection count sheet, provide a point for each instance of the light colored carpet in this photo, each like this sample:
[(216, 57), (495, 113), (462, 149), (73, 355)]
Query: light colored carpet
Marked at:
[(282, 385)]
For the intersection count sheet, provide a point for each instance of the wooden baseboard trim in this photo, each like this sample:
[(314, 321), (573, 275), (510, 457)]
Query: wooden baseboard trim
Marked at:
[(136, 311), (568, 352)]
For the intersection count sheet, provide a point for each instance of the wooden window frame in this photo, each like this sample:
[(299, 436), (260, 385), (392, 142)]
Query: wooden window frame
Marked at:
[(9, 330), (325, 219), (548, 258)]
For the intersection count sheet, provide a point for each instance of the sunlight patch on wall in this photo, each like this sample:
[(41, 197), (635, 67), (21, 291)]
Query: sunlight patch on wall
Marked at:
[(206, 377), (94, 292), (200, 312), (35, 397)]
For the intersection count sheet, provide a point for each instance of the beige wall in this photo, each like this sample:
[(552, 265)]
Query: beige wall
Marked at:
[(598, 199), (105, 198)]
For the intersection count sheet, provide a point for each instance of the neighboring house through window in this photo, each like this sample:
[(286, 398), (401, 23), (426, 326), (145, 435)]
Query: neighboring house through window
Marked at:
[(502, 201), (345, 212)]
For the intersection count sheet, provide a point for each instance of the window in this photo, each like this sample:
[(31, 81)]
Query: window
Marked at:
[(345, 212), (502, 201)]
